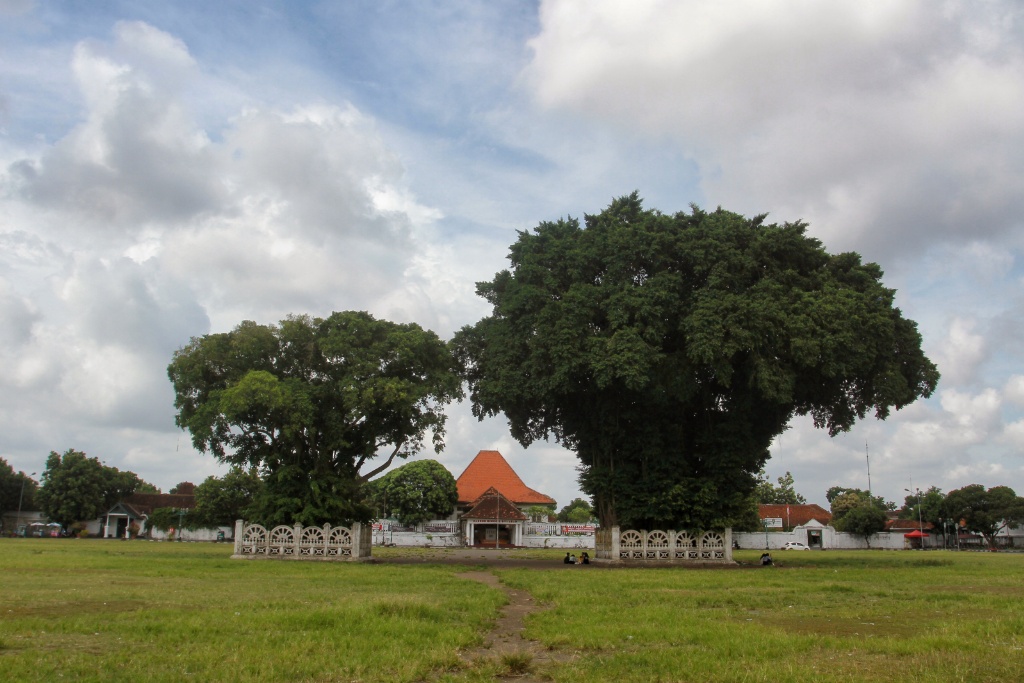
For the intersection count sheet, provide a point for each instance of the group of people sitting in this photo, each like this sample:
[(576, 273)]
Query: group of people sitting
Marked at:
[(571, 559)]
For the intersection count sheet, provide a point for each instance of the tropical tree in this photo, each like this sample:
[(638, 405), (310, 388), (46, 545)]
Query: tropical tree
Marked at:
[(222, 500), (838, 492), (310, 402), (985, 511), (863, 519), (784, 494), (668, 351), (926, 506), (77, 488), (17, 489), (578, 511), (416, 492)]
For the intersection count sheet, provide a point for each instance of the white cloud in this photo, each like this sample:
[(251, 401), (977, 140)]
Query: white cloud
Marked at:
[(961, 352), (887, 125), (1013, 391)]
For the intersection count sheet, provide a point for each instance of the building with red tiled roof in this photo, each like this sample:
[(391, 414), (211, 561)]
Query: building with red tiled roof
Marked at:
[(492, 500), (489, 468), (795, 515)]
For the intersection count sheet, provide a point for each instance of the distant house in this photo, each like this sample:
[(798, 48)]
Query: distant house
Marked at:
[(136, 509), (493, 501), (789, 516)]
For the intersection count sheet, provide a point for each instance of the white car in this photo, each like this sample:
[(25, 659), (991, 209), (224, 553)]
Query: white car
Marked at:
[(793, 545)]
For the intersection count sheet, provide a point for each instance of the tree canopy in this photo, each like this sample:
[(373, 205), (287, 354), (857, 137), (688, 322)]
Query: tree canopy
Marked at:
[(985, 511), (668, 351), (310, 402), (78, 488), (785, 493), (16, 488), (927, 506), (862, 518), (416, 492), (222, 500), (578, 511)]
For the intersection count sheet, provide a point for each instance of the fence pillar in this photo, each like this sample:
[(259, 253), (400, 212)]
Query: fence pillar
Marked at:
[(239, 530)]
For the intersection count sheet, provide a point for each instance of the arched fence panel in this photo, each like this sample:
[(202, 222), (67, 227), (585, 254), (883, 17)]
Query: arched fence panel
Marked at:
[(632, 545), (253, 541)]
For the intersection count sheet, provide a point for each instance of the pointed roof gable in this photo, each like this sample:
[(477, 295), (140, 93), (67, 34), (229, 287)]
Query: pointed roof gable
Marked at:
[(492, 505), (490, 469)]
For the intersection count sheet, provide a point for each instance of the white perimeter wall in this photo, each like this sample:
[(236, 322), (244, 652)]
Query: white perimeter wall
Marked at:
[(830, 539)]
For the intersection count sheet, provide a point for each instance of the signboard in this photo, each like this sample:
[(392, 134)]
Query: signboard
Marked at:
[(772, 522)]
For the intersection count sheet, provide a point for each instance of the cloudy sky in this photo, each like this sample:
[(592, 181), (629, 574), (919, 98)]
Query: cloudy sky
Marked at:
[(170, 169)]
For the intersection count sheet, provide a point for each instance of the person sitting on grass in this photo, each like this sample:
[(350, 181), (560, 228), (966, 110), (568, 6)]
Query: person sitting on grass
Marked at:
[(567, 560), (766, 559), (584, 558)]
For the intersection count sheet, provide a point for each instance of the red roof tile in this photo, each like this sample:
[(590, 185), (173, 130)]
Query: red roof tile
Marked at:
[(489, 468), (796, 515)]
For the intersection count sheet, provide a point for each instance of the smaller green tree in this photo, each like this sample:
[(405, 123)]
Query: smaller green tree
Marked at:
[(15, 488), (927, 506), (539, 513), (578, 511), (784, 494), (843, 499), (222, 500), (416, 492), (863, 519), (985, 511)]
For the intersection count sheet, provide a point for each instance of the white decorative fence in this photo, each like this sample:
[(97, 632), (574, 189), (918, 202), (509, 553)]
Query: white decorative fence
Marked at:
[(614, 545), (296, 542)]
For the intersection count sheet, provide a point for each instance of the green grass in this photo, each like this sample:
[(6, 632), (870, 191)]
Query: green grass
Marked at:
[(92, 610)]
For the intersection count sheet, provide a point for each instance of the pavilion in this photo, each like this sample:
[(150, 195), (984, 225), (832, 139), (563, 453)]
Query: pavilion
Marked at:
[(493, 502)]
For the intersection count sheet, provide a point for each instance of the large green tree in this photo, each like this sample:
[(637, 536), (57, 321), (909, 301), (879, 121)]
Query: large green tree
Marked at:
[(310, 402), (77, 488), (416, 492), (985, 511), (668, 351), (16, 488)]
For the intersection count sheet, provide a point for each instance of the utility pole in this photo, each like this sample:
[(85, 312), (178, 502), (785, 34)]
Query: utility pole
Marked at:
[(21, 497)]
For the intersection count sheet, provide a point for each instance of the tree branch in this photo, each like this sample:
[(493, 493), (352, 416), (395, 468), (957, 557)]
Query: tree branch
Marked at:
[(378, 470)]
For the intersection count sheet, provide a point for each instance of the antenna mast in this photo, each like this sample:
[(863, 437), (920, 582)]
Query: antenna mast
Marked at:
[(867, 456)]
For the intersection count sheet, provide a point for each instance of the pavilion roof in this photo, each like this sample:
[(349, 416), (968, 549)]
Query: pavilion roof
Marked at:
[(491, 505), (490, 469)]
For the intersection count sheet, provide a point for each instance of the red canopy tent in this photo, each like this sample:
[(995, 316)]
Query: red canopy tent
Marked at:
[(916, 533)]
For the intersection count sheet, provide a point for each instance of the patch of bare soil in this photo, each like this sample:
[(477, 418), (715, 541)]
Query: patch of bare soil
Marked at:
[(516, 657)]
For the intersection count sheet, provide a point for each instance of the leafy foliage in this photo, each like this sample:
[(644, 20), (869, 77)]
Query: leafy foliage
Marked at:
[(669, 350), (416, 492), (222, 500), (985, 511), (863, 519), (165, 519), (16, 488), (77, 488), (785, 494), (578, 511), (930, 504), (310, 401), (842, 498)]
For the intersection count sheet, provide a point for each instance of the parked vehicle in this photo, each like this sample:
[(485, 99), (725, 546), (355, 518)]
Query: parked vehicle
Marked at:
[(794, 545)]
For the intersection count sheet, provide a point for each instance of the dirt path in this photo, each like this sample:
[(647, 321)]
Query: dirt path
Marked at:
[(518, 659)]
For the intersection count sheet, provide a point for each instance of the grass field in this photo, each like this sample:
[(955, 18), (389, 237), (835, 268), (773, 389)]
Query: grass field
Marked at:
[(92, 610)]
